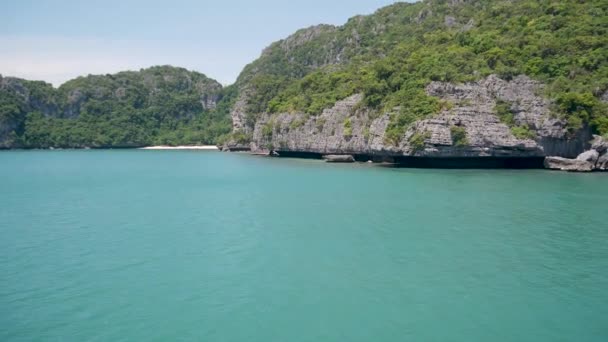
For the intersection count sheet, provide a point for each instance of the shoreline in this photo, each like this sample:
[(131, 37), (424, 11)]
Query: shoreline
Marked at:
[(197, 147)]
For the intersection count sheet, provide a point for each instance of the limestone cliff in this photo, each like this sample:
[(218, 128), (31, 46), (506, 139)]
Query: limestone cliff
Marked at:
[(350, 128), (433, 79), (293, 57)]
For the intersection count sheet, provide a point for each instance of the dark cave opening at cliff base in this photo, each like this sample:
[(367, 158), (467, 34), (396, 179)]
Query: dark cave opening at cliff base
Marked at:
[(303, 155), (470, 162), (435, 163)]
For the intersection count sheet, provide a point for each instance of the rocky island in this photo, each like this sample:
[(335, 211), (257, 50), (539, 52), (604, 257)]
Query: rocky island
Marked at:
[(446, 83), (435, 83)]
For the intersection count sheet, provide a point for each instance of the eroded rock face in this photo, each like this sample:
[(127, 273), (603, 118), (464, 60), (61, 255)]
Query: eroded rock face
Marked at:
[(9, 124), (327, 133), (74, 102), (475, 102), (305, 35), (238, 112), (602, 163), (595, 159), (600, 145), (349, 128), (14, 123), (31, 102), (590, 156), (565, 164)]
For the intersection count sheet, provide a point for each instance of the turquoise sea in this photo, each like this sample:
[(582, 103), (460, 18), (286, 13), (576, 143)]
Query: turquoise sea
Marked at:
[(132, 245)]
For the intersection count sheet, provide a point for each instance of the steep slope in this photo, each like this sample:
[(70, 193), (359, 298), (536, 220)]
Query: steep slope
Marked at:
[(158, 105), (434, 78)]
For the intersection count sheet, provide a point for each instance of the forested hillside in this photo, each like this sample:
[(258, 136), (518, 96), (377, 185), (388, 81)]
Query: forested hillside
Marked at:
[(390, 58), (392, 55), (159, 105)]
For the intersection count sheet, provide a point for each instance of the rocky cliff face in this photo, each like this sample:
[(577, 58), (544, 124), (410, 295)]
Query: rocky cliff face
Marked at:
[(470, 128), (31, 99), (18, 97), (475, 110), (239, 112), (302, 52), (394, 57), (324, 134)]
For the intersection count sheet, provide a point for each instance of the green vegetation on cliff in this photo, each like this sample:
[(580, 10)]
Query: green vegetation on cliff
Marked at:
[(459, 136), (389, 57), (392, 55), (159, 105)]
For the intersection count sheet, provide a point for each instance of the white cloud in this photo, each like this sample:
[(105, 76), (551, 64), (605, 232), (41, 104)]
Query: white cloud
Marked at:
[(58, 59)]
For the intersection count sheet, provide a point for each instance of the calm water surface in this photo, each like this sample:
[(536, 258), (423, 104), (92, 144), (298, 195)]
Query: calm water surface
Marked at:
[(174, 245)]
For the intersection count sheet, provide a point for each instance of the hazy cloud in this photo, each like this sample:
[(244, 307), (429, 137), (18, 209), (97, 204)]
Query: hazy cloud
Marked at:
[(58, 59)]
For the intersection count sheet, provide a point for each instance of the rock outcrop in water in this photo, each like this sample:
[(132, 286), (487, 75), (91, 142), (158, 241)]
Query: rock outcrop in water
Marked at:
[(601, 146), (339, 158), (565, 164), (595, 159)]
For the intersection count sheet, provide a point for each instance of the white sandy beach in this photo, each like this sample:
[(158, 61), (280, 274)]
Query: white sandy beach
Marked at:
[(201, 147)]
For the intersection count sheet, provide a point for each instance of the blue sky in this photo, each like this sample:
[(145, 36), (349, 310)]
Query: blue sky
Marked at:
[(59, 40)]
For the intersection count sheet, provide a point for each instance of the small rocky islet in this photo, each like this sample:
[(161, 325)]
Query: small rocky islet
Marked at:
[(481, 83)]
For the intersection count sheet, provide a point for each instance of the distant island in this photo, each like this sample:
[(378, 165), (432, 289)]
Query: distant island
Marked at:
[(511, 82), (156, 106)]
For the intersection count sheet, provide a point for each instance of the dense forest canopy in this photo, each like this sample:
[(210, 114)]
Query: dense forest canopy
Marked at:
[(392, 55)]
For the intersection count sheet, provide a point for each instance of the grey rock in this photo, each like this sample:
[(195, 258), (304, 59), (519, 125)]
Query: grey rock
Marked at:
[(590, 156), (602, 162), (342, 158), (74, 101), (238, 112), (423, 14), (236, 147), (594, 159), (325, 133), (450, 21), (599, 144), (476, 101), (469, 25), (565, 164), (473, 109), (120, 93), (263, 153), (305, 35), (291, 47), (209, 94), (13, 125)]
